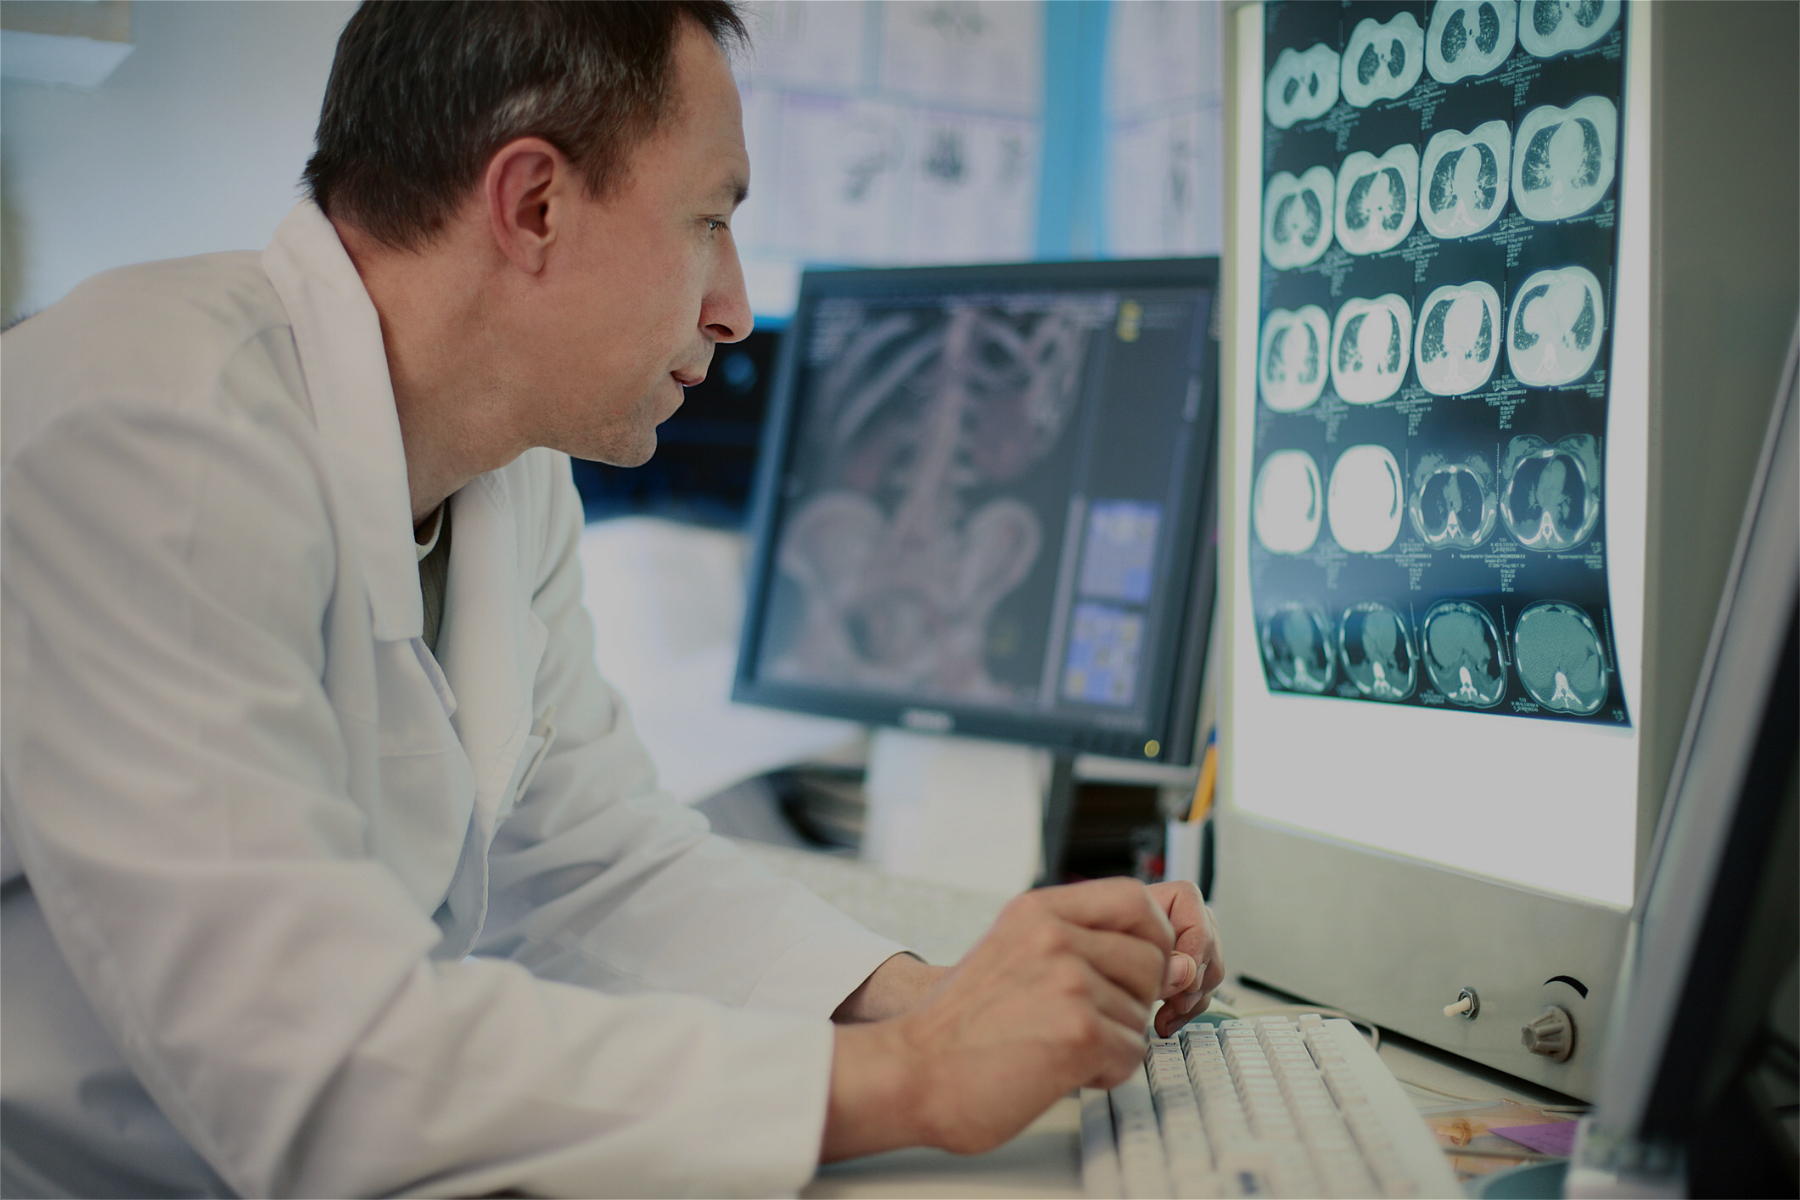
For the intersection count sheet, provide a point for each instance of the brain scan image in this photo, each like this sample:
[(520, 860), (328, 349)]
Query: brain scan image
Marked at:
[(1463, 179), (1297, 216), (1469, 37), (1302, 87), (1376, 649), (1553, 332), (1291, 367), (1458, 341), (1551, 498), (1371, 344), (1297, 648), (1563, 158), (1376, 203), (1366, 499), (1288, 503), (1383, 61), (1551, 27), (914, 408), (1454, 504), (1462, 653), (1558, 656)]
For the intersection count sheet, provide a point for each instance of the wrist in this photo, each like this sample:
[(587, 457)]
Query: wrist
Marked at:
[(876, 1092), (893, 988)]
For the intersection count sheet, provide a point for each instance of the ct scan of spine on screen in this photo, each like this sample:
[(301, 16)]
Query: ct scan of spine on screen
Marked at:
[(1427, 508)]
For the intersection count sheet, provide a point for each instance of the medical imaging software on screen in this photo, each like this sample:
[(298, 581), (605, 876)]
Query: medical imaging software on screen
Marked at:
[(989, 499)]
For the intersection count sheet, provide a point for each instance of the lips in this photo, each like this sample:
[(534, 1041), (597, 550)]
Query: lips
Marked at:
[(1375, 199), (1469, 37), (1371, 343), (1463, 179), (1382, 61), (1302, 87), (1551, 27), (1366, 499), (1297, 215), (1291, 366), (1563, 158), (1458, 341), (1553, 332), (1287, 504)]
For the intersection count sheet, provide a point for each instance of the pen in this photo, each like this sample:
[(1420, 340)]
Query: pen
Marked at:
[(1209, 777)]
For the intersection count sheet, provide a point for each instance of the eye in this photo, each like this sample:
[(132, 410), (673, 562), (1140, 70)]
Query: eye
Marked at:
[(714, 224)]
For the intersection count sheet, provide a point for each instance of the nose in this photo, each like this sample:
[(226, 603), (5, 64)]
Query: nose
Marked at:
[(725, 312)]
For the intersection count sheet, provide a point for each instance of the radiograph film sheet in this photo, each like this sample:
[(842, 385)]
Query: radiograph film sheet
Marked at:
[(1428, 514)]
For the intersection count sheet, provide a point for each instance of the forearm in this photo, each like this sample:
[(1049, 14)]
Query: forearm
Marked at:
[(875, 1093)]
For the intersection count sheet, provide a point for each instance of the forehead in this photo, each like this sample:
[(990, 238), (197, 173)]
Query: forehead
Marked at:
[(698, 146)]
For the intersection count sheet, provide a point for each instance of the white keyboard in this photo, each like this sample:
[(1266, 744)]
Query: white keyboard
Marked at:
[(1268, 1107)]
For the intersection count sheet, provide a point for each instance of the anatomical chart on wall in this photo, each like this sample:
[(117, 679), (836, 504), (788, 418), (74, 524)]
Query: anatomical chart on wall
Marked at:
[(1439, 231)]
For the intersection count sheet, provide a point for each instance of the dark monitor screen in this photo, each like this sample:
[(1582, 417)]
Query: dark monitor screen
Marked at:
[(985, 504)]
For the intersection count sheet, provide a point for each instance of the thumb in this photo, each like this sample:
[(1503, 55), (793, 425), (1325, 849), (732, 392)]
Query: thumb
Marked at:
[(1181, 974)]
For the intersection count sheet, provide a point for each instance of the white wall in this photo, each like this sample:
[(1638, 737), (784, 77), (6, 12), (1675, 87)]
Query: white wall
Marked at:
[(195, 143)]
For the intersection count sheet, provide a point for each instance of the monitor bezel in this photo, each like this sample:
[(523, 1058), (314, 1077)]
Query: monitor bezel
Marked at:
[(1174, 690)]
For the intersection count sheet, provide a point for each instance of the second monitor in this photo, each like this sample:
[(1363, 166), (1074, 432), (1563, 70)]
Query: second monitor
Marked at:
[(985, 505)]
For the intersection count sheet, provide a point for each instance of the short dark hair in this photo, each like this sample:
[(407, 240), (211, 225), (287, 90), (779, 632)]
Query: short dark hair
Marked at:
[(423, 92)]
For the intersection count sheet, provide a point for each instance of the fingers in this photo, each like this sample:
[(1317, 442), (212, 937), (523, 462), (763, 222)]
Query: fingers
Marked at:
[(1130, 963), (1121, 905)]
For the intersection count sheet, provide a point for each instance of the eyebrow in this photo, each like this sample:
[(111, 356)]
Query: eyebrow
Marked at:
[(737, 187)]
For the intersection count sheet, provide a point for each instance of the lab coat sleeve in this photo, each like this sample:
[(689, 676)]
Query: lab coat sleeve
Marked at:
[(175, 781), (600, 878)]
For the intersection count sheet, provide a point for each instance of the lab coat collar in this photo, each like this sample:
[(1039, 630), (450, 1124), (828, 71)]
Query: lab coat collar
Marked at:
[(344, 363)]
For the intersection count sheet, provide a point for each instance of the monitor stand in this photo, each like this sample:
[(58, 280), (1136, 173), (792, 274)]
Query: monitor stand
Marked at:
[(987, 816)]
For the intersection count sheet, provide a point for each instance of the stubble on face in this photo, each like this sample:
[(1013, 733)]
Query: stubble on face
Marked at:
[(641, 267)]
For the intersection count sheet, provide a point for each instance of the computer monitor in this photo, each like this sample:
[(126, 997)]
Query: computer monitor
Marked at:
[(1697, 1092), (985, 505), (1483, 430)]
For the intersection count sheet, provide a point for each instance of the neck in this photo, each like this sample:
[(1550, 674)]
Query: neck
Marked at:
[(456, 421)]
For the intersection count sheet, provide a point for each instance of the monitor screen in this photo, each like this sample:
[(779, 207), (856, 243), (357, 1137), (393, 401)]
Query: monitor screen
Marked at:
[(985, 504)]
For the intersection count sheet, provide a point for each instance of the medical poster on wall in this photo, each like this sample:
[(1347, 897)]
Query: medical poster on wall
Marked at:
[(1438, 243)]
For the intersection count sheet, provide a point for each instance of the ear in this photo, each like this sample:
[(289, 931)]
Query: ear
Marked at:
[(522, 188)]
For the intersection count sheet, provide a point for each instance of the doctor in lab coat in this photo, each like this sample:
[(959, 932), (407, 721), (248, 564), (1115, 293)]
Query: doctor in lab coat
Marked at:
[(322, 877)]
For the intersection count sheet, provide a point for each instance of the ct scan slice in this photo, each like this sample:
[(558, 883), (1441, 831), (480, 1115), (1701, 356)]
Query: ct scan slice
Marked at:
[(1554, 331), (1463, 654), (1291, 368), (1366, 499), (1376, 205), (1371, 343), (1297, 648), (1302, 87), (1288, 503), (1469, 37), (1297, 216), (1376, 649), (1456, 347), (1383, 60), (1552, 493), (1563, 158), (1453, 504), (1463, 180), (1551, 27), (1559, 659)]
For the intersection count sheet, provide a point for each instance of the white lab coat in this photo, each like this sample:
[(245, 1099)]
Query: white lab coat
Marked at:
[(278, 880)]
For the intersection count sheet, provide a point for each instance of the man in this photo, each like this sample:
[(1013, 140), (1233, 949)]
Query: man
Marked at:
[(332, 866)]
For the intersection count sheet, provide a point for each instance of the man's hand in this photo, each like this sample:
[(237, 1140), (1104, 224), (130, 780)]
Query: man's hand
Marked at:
[(1197, 966), (1055, 996)]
